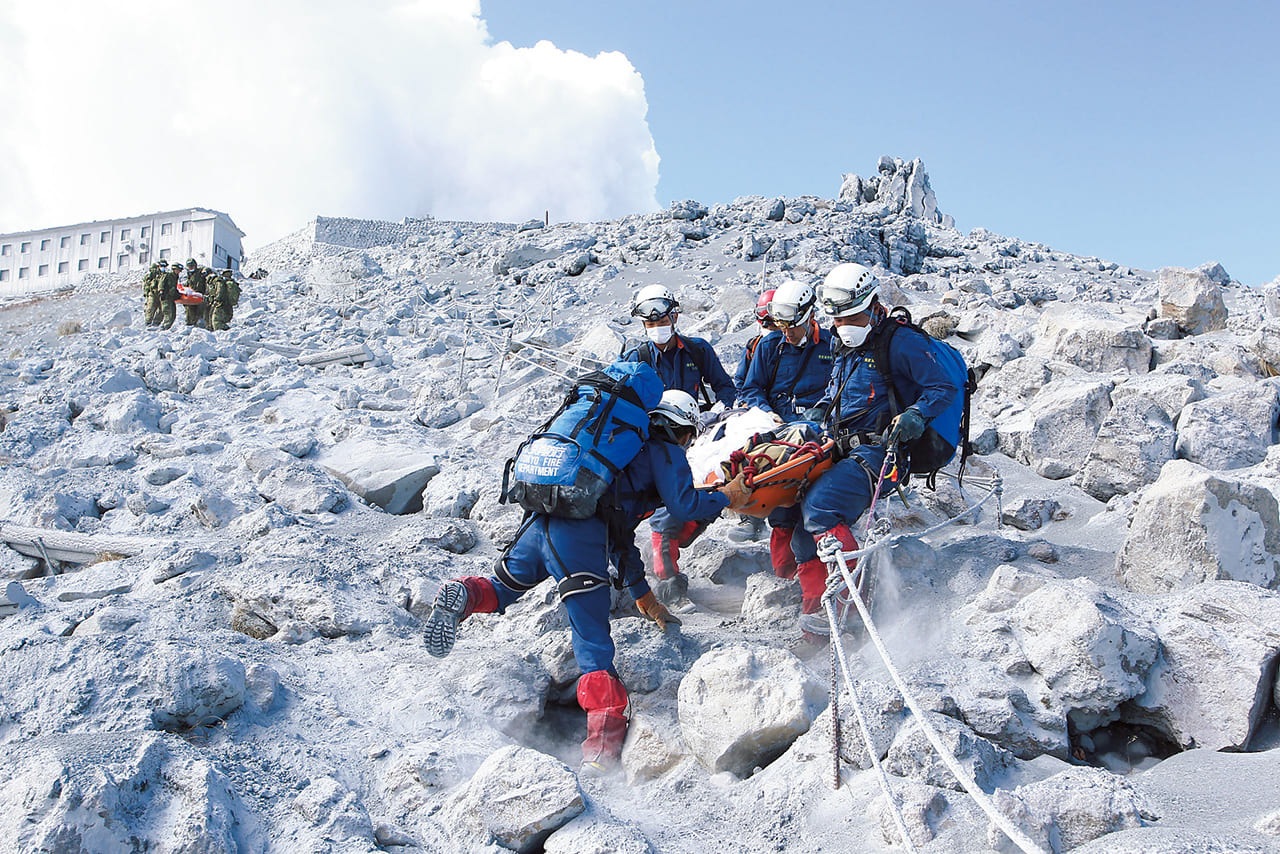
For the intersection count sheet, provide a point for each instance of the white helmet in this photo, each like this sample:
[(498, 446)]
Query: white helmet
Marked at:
[(654, 302), (792, 304), (676, 410), (848, 289)]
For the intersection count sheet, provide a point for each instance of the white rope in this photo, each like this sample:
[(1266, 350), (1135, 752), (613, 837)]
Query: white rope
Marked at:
[(829, 604), (832, 554)]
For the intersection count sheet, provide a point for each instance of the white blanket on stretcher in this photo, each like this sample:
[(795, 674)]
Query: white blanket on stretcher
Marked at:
[(725, 436)]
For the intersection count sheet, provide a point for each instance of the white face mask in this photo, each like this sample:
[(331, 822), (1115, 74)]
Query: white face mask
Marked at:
[(660, 334), (853, 336)]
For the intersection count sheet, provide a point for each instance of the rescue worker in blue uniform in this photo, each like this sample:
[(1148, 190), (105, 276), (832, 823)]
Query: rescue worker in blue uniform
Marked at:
[(752, 527), (790, 374), (787, 378), (577, 553), (768, 330), (690, 365), (857, 411)]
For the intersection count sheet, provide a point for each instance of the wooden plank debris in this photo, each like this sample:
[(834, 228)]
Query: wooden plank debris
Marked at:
[(356, 354)]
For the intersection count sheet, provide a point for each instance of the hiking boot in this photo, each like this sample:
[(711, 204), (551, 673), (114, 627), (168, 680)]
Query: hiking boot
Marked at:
[(447, 611), (595, 770), (671, 590), (749, 529), (808, 645)]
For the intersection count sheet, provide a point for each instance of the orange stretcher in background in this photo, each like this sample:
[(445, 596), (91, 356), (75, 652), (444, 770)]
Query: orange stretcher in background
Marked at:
[(777, 466), (186, 296)]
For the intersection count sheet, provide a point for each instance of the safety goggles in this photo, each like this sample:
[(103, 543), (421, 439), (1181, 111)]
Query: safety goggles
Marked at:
[(786, 316), (655, 308), (839, 302)]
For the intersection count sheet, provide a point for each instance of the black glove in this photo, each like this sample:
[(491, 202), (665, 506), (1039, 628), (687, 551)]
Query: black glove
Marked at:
[(816, 414), (907, 427)]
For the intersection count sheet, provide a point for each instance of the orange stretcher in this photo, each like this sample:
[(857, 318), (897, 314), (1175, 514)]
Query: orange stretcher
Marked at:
[(777, 466), (186, 296)]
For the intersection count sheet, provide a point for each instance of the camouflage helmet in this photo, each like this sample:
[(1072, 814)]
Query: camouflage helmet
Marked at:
[(164, 262), (191, 263)]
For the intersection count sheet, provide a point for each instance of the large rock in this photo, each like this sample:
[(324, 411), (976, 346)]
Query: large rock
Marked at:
[(741, 707), (646, 753), (517, 798), (335, 812), (1054, 433), (389, 474), (194, 687), (1230, 430), (1212, 686), (600, 343), (1093, 337), (1134, 442), (1193, 525), (1091, 653), (1069, 809), (1192, 299), (298, 488), (913, 756), (899, 187), (1170, 390), (94, 792)]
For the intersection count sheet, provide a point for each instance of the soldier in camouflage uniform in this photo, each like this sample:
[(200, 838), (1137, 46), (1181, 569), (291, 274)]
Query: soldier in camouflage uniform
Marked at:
[(226, 293), (210, 283), (197, 282), (151, 294), (169, 293)]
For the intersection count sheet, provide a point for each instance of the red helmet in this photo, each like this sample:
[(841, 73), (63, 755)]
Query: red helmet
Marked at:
[(762, 306)]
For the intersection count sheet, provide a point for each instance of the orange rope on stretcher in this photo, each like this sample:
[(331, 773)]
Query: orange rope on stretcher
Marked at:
[(750, 466)]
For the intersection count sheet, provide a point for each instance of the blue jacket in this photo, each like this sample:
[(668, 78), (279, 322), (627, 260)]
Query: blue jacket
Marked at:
[(685, 366), (785, 379), (919, 376), (659, 476), (748, 353)]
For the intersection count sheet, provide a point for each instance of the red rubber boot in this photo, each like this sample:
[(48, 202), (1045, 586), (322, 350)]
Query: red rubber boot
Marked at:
[(604, 699), (780, 554)]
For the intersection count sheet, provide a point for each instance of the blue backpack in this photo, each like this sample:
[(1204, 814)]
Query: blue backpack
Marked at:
[(566, 468), (932, 450)]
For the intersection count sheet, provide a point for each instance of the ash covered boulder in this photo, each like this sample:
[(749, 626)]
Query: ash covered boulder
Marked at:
[(912, 755), (1193, 525), (194, 687), (1172, 391), (741, 707), (1133, 444), (1069, 809), (1054, 433), (1192, 299), (389, 474), (1093, 337), (517, 798), (600, 343), (1230, 430), (89, 792), (898, 186), (647, 754), (1091, 652), (334, 812), (1212, 685)]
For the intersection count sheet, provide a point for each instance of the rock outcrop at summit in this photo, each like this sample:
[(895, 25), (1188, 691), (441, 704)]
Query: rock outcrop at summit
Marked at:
[(897, 187)]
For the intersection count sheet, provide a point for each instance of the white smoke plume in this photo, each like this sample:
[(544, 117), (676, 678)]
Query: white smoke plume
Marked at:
[(275, 112)]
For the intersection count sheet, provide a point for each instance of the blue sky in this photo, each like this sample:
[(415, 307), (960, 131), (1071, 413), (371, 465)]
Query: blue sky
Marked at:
[(1145, 133)]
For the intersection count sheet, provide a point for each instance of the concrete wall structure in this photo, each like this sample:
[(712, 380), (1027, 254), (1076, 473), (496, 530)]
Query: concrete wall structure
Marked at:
[(52, 258)]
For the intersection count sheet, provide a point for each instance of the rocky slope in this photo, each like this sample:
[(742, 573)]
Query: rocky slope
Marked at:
[(239, 666)]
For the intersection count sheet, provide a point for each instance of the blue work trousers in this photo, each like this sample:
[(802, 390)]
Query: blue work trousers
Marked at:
[(839, 496), (559, 547)]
